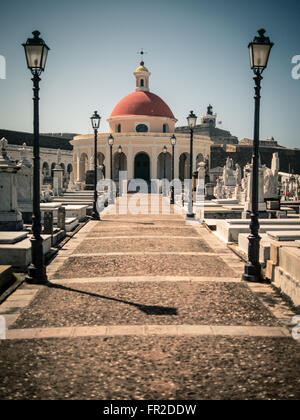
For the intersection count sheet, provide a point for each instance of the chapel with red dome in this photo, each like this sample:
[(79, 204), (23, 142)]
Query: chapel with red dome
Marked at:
[(140, 140), (142, 110)]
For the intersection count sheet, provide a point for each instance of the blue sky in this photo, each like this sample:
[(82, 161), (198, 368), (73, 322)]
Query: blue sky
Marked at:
[(197, 53)]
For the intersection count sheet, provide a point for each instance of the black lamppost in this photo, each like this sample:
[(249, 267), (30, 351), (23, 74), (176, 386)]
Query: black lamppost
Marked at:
[(259, 50), (165, 153), (173, 142), (111, 141), (120, 154), (95, 120), (192, 118), (36, 52)]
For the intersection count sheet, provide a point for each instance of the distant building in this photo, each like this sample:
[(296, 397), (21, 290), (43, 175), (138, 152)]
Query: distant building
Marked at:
[(289, 159), (267, 142), (68, 136), (207, 127), (48, 151)]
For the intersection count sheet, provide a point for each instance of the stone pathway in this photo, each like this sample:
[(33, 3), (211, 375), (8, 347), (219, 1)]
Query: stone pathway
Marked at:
[(147, 307)]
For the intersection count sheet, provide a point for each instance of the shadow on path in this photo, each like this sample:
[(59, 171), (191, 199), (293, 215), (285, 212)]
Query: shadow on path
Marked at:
[(149, 310)]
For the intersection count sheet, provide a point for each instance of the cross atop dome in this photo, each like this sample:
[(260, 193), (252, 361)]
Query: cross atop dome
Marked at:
[(142, 53)]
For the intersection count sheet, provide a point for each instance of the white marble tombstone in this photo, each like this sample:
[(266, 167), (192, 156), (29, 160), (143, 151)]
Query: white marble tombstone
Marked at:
[(271, 181), (10, 215)]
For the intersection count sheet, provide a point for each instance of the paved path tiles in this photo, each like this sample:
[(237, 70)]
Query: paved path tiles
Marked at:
[(147, 307)]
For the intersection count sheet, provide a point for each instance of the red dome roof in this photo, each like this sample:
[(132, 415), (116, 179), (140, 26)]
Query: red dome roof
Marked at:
[(142, 103)]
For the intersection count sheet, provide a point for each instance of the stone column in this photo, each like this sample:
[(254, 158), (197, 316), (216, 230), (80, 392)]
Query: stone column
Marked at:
[(153, 163), (57, 181), (24, 178), (176, 163), (130, 163), (77, 168)]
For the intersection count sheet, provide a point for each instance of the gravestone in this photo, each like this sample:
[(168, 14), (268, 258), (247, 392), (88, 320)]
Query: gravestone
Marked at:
[(48, 223), (271, 183), (61, 218)]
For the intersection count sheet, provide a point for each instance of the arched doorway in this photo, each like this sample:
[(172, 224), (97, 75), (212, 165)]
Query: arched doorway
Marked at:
[(69, 168), (100, 164), (184, 162), (52, 167), (142, 166), (164, 166), (45, 169), (83, 166)]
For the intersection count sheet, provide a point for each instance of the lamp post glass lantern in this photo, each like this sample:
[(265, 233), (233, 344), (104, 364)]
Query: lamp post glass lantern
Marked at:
[(173, 143), (95, 121), (259, 50), (191, 119), (36, 52)]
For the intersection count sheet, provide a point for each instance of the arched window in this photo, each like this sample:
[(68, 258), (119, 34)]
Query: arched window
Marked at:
[(119, 128), (141, 128), (45, 169), (52, 167), (142, 83), (165, 128)]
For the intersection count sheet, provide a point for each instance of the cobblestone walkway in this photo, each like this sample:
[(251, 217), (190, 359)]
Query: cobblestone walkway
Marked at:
[(147, 307)]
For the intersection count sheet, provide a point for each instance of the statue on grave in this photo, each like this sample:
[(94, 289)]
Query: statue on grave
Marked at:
[(3, 144), (229, 174), (271, 178), (270, 184), (238, 174), (24, 157), (209, 110), (219, 190), (201, 170)]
